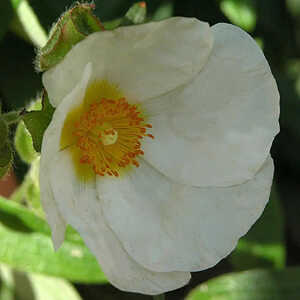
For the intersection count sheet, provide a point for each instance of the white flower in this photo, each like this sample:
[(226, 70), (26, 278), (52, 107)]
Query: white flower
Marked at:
[(178, 202)]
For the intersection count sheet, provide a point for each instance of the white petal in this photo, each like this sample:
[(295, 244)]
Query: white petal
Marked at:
[(166, 226), (50, 148), (79, 204), (218, 130), (144, 60), (53, 215)]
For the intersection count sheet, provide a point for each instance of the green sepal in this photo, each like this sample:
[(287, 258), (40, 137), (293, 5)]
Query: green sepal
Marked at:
[(136, 14), (72, 27), (37, 121), (5, 155)]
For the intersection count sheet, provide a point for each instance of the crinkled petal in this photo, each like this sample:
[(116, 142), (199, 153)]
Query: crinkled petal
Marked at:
[(145, 60), (80, 206), (167, 227), (50, 148), (218, 130)]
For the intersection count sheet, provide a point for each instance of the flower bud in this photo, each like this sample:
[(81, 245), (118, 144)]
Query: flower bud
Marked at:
[(72, 27), (136, 14)]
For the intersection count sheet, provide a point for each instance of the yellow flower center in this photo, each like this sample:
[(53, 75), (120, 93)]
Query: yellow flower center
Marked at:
[(104, 133)]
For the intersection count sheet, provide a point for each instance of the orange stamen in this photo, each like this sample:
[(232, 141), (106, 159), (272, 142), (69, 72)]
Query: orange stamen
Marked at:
[(108, 135)]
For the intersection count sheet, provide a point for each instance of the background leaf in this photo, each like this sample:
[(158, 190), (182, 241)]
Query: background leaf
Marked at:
[(24, 144), (26, 245), (240, 12), (28, 193), (250, 285), (264, 244), (26, 286)]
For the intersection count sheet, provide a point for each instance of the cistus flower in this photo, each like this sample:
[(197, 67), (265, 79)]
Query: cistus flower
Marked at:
[(158, 151)]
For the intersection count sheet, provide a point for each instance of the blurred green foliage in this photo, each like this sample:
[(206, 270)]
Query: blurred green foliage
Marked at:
[(274, 242), (264, 245), (16, 285), (26, 245), (250, 285)]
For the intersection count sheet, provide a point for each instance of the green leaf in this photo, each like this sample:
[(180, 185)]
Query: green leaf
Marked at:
[(3, 132), (240, 12), (24, 144), (11, 117), (263, 246), (251, 285), (6, 14), (26, 286), (16, 3), (37, 122), (26, 245), (5, 155), (110, 25)]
